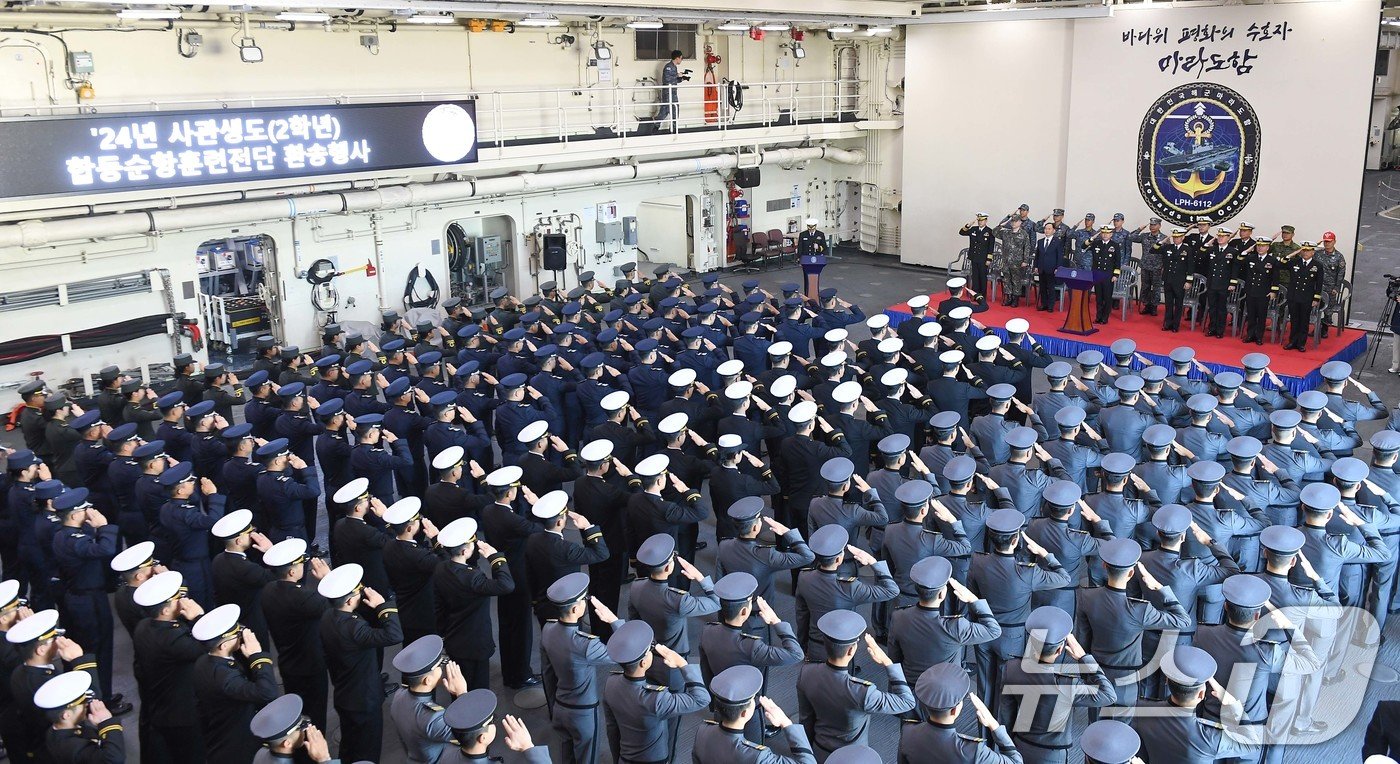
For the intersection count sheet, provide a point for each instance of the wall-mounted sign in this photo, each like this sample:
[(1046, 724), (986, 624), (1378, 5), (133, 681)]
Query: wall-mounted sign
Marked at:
[(1198, 154), (93, 154)]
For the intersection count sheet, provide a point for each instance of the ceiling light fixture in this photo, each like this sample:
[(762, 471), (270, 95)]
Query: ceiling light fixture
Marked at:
[(148, 13), (430, 18), (842, 29), (652, 23), (872, 31), (310, 17), (774, 26), (538, 20), (733, 26)]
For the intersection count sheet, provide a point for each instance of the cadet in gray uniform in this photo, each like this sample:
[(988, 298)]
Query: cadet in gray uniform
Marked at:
[(638, 713), (866, 511), (1042, 685), (922, 635), (725, 643), (1073, 548), (664, 607), (1205, 437), (1173, 731), (472, 719), (1335, 377), (1123, 423), (761, 561), (1109, 742), (823, 590), (735, 699), (917, 537), (1024, 483), (1110, 624), (1385, 451), (569, 657), (1365, 585), (1049, 403), (943, 432), (1245, 416), (1075, 449), (286, 735), (1222, 519), (1165, 479), (835, 706), (1007, 583), (414, 711), (941, 690), (1127, 518)]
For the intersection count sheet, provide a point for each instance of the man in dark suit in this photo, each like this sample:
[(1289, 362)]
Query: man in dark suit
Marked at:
[(1049, 255), (1383, 733)]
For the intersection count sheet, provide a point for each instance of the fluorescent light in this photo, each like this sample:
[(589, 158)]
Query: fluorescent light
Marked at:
[(538, 20), (148, 13), (645, 24), (430, 19), (774, 26), (312, 17), (732, 26), (842, 29), (878, 30)]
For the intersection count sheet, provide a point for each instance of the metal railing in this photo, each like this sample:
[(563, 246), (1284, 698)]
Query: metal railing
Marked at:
[(507, 116)]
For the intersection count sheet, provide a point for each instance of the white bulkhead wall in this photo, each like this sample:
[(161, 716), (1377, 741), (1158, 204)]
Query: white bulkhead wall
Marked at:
[(316, 63)]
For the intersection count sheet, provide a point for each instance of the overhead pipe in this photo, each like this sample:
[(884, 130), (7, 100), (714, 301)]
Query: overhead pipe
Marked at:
[(41, 232)]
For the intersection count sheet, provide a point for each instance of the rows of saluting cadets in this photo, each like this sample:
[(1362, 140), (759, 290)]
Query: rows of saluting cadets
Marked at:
[(914, 471)]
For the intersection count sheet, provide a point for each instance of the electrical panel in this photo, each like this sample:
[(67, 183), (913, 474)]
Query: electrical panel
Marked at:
[(489, 248), (609, 232), (80, 62), (629, 230)]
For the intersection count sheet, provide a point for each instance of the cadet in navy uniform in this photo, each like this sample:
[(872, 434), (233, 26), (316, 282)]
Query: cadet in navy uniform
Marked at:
[(569, 657), (1174, 730), (165, 652), (729, 642), (981, 239), (83, 729), (735, 699), (834, 705), (185, 521), (549, 556), (236, 579), (1047, 682), (462, 588), (351, 642), (639, 714), (231, 682), (286, 735), (283, 486), (376, 454), (83, 549), (293, 614), (419, 720), (172, 427), (261, 410), (941, 690), (1110, 624), (403, 420), (409, 563), (1007, 584), (923, 635)]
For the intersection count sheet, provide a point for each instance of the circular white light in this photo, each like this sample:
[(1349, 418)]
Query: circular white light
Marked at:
[(448, 132)]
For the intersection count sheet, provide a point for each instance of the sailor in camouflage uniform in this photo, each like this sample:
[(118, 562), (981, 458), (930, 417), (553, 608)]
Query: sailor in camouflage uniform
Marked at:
[(1154, 243), (1013, 262)]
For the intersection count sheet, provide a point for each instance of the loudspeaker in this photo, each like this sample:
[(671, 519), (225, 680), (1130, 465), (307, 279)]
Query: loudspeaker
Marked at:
[(746, 177), (556, 251)]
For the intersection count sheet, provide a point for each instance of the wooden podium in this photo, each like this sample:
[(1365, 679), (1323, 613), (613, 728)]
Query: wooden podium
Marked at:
[(1079, 281)]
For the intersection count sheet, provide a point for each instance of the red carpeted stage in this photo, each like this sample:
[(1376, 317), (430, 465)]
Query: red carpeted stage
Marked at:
[(1299, 371)]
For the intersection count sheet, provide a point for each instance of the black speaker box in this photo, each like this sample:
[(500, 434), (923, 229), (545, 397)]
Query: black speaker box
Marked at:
[(746, 177), (556, 252)]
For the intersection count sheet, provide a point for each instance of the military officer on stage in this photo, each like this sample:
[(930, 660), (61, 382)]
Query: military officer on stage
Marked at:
[(1153, 241), (1104, 255), (1334, 272), (1256, 272), (811, 242), (1304, 278), (1081, 237), (1216, 265), (941, 690), (981, 240), (735, 698), (416, 714), (1178, 272)]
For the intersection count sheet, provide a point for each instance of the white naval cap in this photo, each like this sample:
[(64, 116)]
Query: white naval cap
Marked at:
[(341, 580), (729, 440), (894, 377), (1018, 326), (9, 592), (877, 321), (504, 476), (835, 358), (780, 348), (41, 625), (930, 329), (681, 378), (66, 689), (449, 457), (219, 623), (596, 451), (783, 386), (403, 511), (890, 345), (457, 533), (959, 313), (652, 465), (918, 301), (285, 552), (352, 491), (233, 524), (803, 412), (673, 424), (837, 335), (134, 556), (951, 357), (739, 390), (846, 392), (158, 589), (731, 368), (533, 431), (615, 400), (550, 505), (988, 342), (957, 282)]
